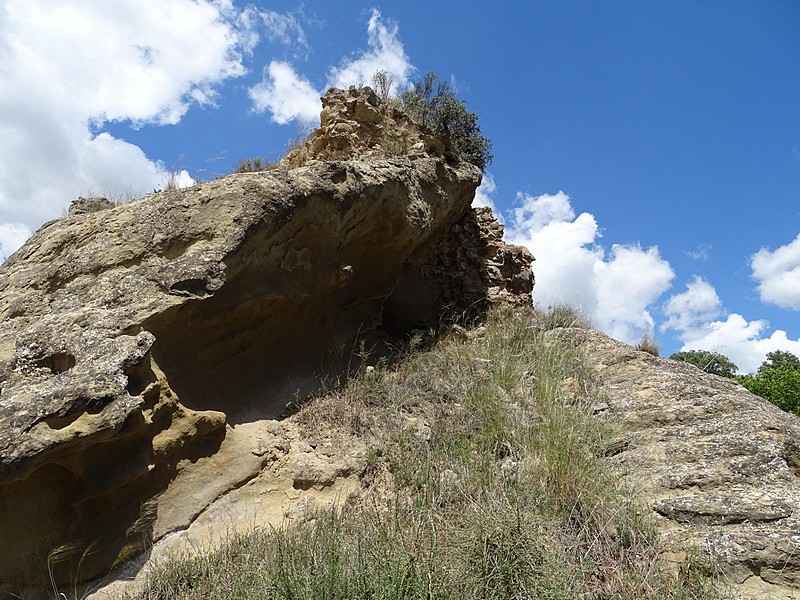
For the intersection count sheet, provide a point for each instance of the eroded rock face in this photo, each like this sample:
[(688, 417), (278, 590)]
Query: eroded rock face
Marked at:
[(719, 467), (141, 346), (81, 205), (355, 123)]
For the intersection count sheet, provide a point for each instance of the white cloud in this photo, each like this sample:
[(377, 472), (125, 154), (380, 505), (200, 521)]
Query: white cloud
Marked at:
[(68, 67), (740, 340), (284, 28), (628, 283), (547, 225), (694, 315), (385, 53), (698, 304), (702, 252), (289, 96), (483, 195), (778, 274), (571, 267), (286, 95), (12, 236)]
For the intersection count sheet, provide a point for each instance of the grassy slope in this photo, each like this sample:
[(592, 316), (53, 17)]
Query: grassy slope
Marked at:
[(485, 481)]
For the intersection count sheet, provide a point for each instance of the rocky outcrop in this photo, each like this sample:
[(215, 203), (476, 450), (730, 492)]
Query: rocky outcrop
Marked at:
[(146, 350), (718, 466), (355, 123), (81, 205)]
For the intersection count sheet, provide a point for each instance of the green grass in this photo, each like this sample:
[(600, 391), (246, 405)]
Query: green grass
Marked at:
[(485, 481)]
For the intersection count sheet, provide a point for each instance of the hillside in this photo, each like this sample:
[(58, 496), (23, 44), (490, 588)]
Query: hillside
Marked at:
[(340, 345)]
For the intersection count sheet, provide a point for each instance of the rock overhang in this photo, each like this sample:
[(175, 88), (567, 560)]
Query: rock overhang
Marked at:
[(135, 338)]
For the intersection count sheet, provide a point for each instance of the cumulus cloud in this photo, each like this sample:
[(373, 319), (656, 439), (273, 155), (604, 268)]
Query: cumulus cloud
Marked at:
[(69, 67), (778, 274), (572, 267), (286, 95), (695, 316), (629, 281), (483, 195), (289, 96), (12, 236), (740, 340), (698, 304), (563, 246), (385, 52)]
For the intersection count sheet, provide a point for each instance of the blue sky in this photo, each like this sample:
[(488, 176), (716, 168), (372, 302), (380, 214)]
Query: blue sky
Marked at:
[(648, 153)]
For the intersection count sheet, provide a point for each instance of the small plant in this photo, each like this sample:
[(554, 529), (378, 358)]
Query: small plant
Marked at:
[(562, 315), (252, 165), (296, 151), (383, 85), (649, 344)]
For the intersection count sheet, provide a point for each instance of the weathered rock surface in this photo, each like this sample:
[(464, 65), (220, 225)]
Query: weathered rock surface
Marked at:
[(719, 467), (147, 349), (81, 205)]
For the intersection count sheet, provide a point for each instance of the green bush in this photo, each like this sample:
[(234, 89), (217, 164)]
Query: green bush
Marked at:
[(777, 380), (710, 362), (562, 315), (778, 358), (433, 104)]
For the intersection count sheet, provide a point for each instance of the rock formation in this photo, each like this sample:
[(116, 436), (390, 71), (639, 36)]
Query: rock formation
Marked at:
[(719, 467), (147, 349)]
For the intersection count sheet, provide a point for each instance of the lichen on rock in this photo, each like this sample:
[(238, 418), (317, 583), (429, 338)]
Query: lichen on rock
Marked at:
[(717, 465)]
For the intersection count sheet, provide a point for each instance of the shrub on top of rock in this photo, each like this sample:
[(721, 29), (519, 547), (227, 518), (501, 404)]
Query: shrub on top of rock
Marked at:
[(432, 103)]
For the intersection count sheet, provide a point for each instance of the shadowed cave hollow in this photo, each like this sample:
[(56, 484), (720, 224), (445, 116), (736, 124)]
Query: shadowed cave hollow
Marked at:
[(250, 356), (251, 359), (249, 362), (295, 305)]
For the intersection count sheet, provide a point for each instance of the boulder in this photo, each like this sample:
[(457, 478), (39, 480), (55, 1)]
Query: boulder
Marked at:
[(718, 466), (147, 349), (81, 205)]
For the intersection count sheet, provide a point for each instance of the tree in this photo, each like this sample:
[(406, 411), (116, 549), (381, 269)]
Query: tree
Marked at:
[(777, 358), (710, 362), (777, 380), (432, 103)]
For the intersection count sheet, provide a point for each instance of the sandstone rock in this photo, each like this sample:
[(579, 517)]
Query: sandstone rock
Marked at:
[(355, 123), (81, 205), (717, 465), (146, 349), (465, 271)]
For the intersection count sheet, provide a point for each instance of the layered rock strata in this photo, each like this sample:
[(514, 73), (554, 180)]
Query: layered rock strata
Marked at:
[(146, 348), (718, 466)]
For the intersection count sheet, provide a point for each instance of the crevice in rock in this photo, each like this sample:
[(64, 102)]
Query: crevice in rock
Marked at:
[(247, 361), (791, 453), (140, 376), (194, 287), (79, 407), (57, 363)]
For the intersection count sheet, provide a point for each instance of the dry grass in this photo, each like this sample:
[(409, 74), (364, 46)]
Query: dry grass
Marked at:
[(649, 344), (486, 480)]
